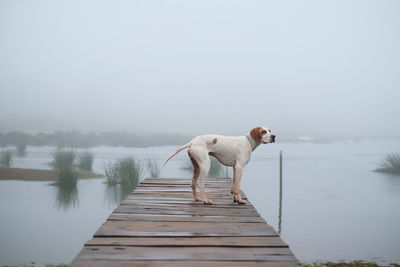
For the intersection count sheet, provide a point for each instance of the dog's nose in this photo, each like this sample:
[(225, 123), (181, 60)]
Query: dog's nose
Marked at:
[(273, 137)]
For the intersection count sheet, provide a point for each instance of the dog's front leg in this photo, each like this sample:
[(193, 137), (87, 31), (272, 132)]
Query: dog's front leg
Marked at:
[(237, 176)]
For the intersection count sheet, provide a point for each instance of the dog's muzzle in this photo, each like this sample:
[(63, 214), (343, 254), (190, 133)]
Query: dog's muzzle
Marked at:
[(271, 140)]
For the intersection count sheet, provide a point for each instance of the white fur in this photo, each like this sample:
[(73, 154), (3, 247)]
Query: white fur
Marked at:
[(233, 151)]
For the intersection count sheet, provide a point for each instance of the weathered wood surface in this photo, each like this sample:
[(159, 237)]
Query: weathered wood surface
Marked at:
[(160, 225)]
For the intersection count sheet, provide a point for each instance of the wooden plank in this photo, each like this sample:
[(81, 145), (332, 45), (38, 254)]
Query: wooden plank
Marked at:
[(185, 195), (187, 184), (183, 218), (173, 229), (183, 180), (201, 211), (177, 201), (186, 253), (254, 241), (185, 205)]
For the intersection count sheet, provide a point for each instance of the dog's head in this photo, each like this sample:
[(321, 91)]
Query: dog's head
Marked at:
[(262, 135)]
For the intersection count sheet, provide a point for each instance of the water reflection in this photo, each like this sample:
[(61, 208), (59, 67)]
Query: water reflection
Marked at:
[(280, 218), (280, 192), (67, 197), (115, 193), (392, 183)]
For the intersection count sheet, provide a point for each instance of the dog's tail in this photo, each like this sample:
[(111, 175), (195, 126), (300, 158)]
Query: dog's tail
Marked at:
[(177, 151)]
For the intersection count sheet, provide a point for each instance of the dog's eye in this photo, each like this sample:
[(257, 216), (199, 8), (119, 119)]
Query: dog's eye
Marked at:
[(263, 132)]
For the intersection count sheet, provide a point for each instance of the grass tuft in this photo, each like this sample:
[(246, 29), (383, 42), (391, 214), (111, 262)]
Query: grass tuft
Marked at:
[(123, 175), (6, 157), (390, 164), (63, 164)]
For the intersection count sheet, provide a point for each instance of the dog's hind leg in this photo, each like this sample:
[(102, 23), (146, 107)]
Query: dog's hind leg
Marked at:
[(204, 169), (201, 157), (196, 174)]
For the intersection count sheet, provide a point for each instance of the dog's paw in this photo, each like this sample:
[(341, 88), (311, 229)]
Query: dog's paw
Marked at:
[(235, 198), (199, 199), (208, 202), (241, 201)]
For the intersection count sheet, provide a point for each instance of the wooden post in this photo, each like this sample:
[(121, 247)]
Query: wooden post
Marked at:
[(280, 192)]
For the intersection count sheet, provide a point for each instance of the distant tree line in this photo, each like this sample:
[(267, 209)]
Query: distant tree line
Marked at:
[(77, 139)]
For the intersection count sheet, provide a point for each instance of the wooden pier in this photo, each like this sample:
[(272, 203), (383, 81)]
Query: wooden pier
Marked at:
[(158, 224)]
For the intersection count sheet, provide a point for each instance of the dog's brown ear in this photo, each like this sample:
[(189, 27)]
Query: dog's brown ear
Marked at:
[(257, 133)]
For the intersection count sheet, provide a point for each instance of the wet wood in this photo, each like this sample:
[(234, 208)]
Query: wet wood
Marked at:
[(187, 253), (160, 225), (148, 228), (254, 241), (182, 218)]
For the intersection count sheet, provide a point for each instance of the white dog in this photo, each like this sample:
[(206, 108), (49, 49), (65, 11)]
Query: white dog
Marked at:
[(233, 151)]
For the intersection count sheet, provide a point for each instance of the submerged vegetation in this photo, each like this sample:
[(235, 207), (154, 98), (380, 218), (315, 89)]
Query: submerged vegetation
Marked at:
[(63, 165), (390, 164), (66, 164), (6, 158), (217, 170)]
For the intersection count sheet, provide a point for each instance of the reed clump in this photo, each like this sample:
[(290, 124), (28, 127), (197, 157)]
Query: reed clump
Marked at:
[(6, 157), (390, 164), (125, 174), (63, 165)]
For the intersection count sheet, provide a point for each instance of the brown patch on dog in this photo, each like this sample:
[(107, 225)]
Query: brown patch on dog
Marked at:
[(257, 133), (196, 168), (215, 141)]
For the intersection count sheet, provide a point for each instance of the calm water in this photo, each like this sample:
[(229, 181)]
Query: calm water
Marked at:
[(334, 206)]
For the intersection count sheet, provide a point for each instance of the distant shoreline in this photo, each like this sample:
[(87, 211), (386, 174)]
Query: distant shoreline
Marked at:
[(77, 139), (19, 174)]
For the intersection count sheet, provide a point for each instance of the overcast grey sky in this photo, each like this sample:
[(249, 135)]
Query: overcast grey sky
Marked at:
[(299, 67)]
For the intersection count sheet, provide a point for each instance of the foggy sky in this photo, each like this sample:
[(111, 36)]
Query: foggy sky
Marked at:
[(194, 67)]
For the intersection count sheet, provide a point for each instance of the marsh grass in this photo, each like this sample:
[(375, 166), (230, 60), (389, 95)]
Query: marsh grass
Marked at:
[(390, 164), (123, 176), (111, 171), (153, 167), (131, 171), (216, 169), (63, 165), (6, 157), (85, 161)]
